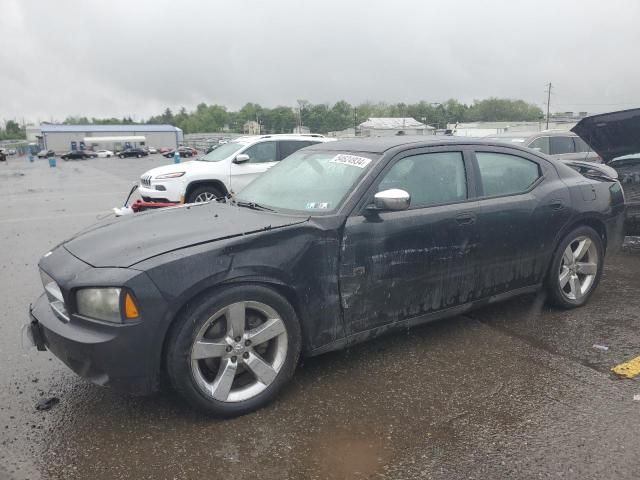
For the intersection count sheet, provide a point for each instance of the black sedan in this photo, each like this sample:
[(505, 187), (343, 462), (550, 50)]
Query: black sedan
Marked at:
[(183, 151), (133, 152), (374, 235), (76, 155)]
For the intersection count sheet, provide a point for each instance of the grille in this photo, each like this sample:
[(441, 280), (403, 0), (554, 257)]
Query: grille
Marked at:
[(54, 295), (145, 180)]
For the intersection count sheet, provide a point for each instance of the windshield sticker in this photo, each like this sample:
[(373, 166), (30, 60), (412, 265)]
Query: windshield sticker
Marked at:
[(352, 160), (318, 205)]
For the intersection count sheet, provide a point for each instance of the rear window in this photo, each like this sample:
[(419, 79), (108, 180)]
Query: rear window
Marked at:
[(287, 147), (561, 145), (504, 174)]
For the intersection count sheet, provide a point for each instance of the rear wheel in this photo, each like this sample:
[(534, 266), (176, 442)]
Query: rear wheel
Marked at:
[(232, 353), (121, 156), (138, 156), (206, 193), (576, 268)]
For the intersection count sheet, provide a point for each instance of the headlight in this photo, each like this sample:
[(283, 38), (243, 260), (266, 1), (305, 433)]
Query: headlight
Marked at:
[(99, 303), (170, 175)]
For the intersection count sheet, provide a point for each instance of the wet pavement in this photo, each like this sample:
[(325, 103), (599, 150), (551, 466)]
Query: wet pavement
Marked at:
[(515, 390)]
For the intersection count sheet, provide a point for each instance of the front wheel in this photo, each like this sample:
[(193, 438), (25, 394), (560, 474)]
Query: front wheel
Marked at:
[(205, 193), (576, 268), (232, 352), (121, 156)]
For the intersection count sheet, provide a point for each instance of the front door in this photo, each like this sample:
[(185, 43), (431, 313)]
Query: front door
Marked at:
[(262, 156), (401, 264)]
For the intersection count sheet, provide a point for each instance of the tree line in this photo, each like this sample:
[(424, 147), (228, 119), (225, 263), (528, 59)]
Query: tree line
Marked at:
[(319, 117)]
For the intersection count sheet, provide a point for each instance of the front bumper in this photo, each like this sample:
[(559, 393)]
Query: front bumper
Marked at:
[(118, 356), (174, 191)]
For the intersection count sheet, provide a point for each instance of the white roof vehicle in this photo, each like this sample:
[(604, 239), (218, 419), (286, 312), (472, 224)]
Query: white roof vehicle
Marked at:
[(227, 169)]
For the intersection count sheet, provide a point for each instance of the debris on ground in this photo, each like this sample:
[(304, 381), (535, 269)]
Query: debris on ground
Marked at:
[(604, 348), (636, 397), (47, 403), (628, 369)]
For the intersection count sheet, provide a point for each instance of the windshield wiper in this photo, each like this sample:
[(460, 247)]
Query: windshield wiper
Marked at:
[(254, 206)]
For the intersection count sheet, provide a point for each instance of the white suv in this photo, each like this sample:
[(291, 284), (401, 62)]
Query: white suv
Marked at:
[(227, 169)]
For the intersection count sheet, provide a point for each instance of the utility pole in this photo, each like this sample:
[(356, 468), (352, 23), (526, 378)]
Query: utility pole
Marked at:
[(355, 121), (548, 103)]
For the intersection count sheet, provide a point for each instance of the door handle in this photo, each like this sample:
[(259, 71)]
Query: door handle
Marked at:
[(466, 218), (556, 204)]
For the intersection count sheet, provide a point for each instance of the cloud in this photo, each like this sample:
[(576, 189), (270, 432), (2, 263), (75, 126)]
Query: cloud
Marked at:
[(116, 58)]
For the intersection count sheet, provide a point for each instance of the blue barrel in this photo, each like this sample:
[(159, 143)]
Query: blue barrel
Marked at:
[(52, 161), (176, 157)]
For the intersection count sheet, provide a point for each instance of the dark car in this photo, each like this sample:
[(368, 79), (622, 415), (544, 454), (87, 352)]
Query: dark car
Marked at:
[(3, 155), (183, 151), (615, 137), (46, 153), (133, 152), (373, 235), (75, 155)]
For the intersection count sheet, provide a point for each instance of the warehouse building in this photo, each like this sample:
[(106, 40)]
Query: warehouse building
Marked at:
[(62, 138), (384, 127)]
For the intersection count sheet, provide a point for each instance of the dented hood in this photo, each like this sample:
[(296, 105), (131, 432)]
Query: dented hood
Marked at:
[(125, 241), (611, 135)]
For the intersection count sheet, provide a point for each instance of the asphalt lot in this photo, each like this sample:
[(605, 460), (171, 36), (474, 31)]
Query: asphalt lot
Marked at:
[(516, 390)]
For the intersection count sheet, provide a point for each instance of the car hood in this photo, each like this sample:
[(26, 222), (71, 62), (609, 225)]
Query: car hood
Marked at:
[(191, 167), (611, 135), (125, 241)]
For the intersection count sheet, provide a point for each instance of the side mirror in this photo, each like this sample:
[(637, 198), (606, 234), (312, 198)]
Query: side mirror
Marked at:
[(393, 199), (242, 158)]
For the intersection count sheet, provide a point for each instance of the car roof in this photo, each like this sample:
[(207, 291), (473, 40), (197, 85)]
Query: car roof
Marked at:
[(382, 144), (527, 135), (316, 137)]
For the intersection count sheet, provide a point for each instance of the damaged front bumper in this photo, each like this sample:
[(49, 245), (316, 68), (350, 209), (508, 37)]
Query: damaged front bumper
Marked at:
[(103, 354)]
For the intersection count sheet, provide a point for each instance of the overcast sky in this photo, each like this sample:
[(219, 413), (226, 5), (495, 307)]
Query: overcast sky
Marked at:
[(136, 57)]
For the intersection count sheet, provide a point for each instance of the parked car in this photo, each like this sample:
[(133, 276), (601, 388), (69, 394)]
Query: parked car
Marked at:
[(104, 153), (164, 150), (184, 152), (152, 150), (228, 168), (46, 153), (75, 155), (133, 152), (338, 243), (615, 137), (11, 151), (559, 144), (3, 155)]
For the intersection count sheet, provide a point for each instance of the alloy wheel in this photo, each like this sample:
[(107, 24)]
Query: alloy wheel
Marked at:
[(578, 268), (239, 351), (205, 197)]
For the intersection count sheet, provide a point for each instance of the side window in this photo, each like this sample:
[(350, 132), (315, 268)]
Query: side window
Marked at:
[(430, 179), (581, 145), (262, 152), (540, 144), (561, 145), (503, 174), (287, 147)]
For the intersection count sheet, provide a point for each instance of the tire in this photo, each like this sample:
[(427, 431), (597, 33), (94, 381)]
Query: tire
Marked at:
[(576, 268), (121, 156), (138, 156), (200, 380), (205, 193), (108, 156)]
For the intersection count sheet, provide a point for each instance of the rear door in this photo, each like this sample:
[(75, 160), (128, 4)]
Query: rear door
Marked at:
[(262, 156), (396, 265), (523, 205)]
